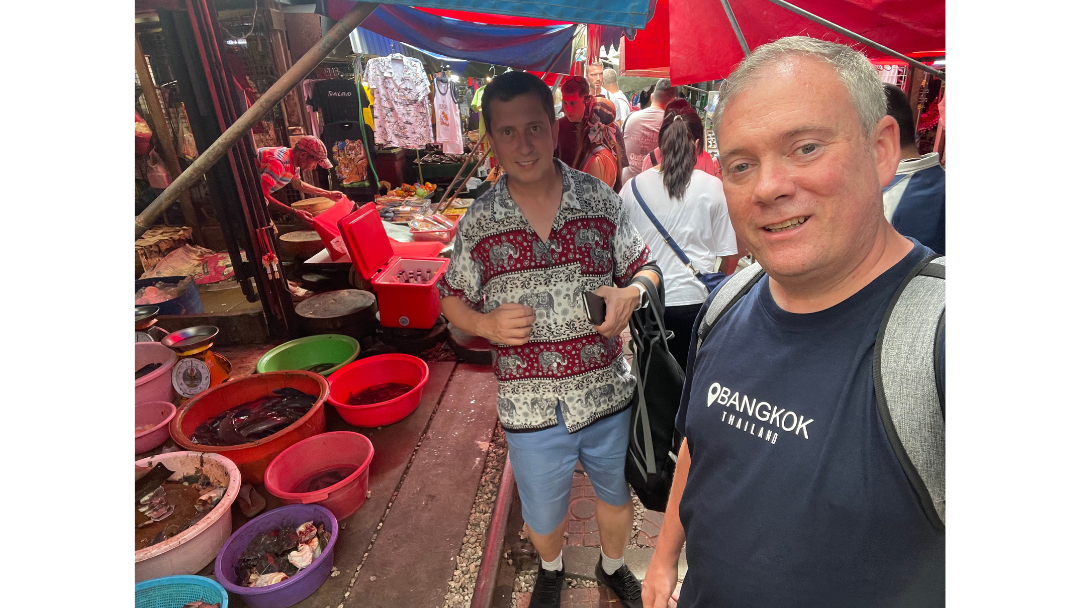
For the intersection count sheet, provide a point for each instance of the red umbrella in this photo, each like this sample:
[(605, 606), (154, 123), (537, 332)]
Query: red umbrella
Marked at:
[(697, 42)]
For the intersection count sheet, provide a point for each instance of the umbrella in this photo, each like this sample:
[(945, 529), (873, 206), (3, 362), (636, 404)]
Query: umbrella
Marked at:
[(701, 41)]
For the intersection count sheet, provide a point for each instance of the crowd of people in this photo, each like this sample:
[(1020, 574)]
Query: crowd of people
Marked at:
[(788, 489)]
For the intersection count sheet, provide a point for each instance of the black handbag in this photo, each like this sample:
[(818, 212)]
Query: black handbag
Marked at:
[(709, 279), (654, 441)]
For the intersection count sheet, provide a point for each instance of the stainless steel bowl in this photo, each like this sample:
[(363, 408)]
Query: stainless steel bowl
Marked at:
[(190, 338), (142, 313)]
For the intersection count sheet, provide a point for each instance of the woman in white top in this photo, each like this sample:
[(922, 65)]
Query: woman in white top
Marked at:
[(690, 205)]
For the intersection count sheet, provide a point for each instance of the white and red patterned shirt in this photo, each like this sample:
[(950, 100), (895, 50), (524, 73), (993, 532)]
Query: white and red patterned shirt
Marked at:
[(498, 258)]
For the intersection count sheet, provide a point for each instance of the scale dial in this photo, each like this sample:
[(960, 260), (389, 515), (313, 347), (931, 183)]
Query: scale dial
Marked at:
[(190, 377)]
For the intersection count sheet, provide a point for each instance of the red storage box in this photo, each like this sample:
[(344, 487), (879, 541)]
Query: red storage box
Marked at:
[(326, 224), (412, 305)]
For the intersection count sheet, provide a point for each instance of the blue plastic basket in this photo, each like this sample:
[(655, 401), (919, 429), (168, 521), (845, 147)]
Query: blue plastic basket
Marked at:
[(175, 591)]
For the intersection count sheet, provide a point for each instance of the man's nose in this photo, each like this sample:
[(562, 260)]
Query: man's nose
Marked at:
[(774, 182)]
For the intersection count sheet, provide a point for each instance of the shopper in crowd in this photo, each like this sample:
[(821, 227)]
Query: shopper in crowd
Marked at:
[(595, 74), (705, 161), (915, 199), (690, 205), (622, 104), (810, 506), (281, 166), (642, 131), (524, 254), (576, 103), (600, 149), (645, 100)]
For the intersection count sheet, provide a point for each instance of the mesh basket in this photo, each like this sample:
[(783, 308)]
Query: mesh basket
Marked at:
[(175, 591)]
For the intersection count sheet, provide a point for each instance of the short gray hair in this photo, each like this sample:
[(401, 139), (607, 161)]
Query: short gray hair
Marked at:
[(611, 77), (663, 89), (852, 68)]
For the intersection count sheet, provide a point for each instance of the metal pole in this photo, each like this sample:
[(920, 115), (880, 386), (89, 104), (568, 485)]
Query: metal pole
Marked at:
[(735, 26), (161, 127), (238, 129), (850, 34), (484, 591)]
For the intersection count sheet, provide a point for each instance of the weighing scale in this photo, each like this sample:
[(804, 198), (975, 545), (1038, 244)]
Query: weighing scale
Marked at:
[(145, 318), (198, 368)]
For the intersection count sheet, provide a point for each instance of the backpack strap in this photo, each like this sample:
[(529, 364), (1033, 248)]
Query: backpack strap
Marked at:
[(639, 335), (909, 382), (733, 289), (663, 231)]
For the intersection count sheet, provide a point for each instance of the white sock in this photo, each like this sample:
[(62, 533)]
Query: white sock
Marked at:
[(610, 565), (553, 566)]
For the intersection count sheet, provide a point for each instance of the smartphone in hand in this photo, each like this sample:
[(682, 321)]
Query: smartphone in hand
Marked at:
[(595, 307)]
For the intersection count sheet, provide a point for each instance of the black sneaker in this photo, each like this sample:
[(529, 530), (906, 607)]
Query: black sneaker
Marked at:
[(623, 583), (548, 590)]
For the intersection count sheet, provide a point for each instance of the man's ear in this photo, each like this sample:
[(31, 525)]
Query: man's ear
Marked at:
[(885, 145)]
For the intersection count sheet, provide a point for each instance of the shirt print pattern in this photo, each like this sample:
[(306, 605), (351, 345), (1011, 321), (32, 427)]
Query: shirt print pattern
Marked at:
[(498, 258), (402, 112), (275, 163)]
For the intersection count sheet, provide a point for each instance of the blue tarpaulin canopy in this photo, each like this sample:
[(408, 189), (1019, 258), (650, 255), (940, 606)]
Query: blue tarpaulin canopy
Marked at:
[(628, 14), (539, 48)]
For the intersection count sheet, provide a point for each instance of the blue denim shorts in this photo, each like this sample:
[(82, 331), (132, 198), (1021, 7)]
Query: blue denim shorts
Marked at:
[(543, 463)]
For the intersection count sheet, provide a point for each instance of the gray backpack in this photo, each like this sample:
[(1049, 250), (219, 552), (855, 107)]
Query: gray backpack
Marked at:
[(909, 385)]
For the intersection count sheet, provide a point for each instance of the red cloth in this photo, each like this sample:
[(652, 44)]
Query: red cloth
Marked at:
[(696, 53)]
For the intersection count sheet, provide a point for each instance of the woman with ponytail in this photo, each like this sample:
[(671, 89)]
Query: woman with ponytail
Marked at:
[(705, 160), (690, 205)]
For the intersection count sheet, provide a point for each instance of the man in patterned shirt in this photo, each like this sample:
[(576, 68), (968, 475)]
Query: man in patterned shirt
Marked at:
[(524, 254)]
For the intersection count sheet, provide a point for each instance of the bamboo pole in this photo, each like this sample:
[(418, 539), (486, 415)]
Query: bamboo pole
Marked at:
[(164, 133), (264, 104)]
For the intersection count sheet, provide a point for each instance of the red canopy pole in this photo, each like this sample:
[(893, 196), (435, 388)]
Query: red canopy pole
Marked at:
[(850, 34), (735, 26)]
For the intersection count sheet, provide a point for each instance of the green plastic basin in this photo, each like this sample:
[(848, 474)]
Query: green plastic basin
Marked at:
[(303, 353)]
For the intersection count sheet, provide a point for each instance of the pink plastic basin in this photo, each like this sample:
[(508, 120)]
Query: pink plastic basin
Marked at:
[(373, 371), (315, 455), (157, 385), (157, 413), (194, 548)]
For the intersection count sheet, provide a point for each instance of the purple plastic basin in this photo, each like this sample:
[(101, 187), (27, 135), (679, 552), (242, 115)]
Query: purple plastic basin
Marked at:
[(293, 589)]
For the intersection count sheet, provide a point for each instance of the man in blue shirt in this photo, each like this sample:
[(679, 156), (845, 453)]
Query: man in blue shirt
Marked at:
[(915, 198), (787, 490)]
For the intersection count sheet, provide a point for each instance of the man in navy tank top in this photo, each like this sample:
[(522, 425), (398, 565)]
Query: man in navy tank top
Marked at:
[(788, 491)]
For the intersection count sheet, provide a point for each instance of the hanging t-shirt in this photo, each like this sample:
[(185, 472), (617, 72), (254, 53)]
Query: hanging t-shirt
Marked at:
[(352, 167), (336, 99), (795, 497), (402, 112), (447, 118)]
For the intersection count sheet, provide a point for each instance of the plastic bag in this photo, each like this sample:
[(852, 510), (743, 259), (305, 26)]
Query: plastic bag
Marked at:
[(142, 135), (187, 141), (156, 173)]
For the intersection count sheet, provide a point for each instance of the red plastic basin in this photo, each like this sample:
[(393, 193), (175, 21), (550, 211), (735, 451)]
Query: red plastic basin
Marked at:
[(316, 455), (373, 371), (252, 458)]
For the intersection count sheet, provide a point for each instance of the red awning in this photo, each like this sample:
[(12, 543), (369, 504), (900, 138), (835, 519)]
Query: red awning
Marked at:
[(697, 42)]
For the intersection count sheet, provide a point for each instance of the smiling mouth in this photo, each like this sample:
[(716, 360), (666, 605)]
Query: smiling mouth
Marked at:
[(787, 225), (526, 163)]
